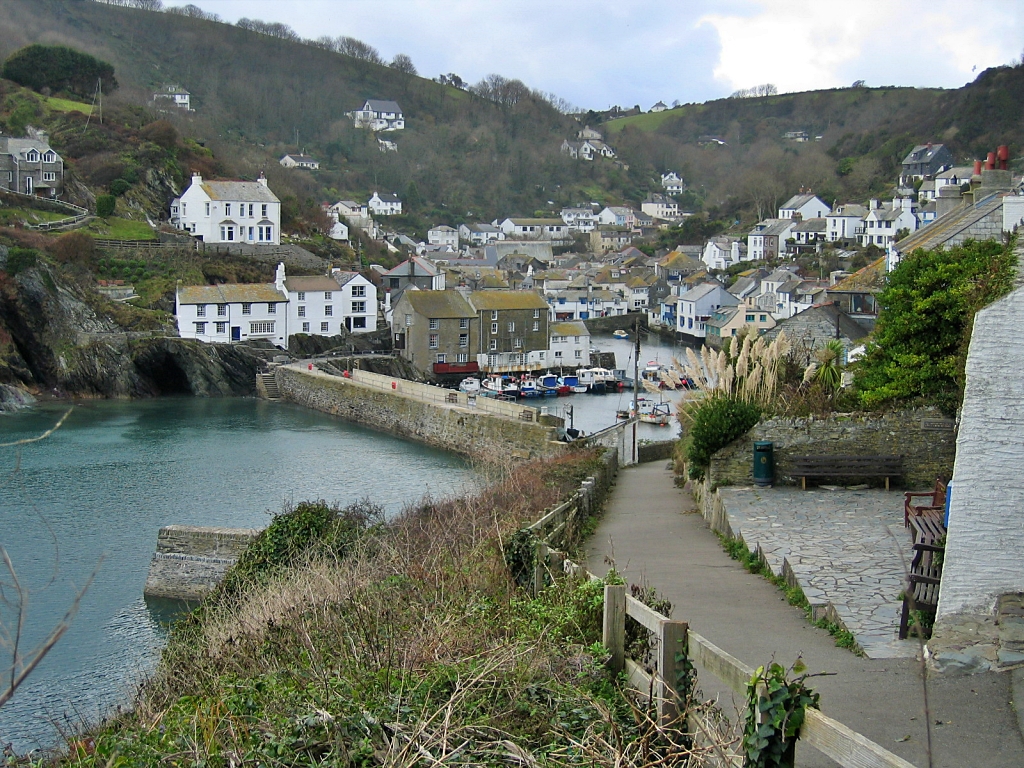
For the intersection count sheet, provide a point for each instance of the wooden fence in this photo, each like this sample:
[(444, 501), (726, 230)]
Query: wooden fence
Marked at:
[(674, 643)]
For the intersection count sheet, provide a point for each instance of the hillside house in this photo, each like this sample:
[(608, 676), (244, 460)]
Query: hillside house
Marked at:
[(534, 229), (727, 322), (175, 95), (925, 161), (579, 219), (845, 223), (768, 239), (436, 331), (808, 232), (569, 344), (339, 229), (589, 133), (676, 264), (672, 183), (587, 150), (695, 307), (722, 252), (30, 165), (414, 271), (229, 212), (812, 329), (857, 294), (384, 204), (660, 207), (617, 216), (443, 235), (480, 234), (379, 115), (583, 304), (805, 204), (513, 331), (300, 161), (883, 222)]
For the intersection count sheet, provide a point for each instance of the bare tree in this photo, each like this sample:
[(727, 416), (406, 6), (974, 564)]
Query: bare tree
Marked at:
[(192, 11), (20, 662), (404, 64), (357, 49)]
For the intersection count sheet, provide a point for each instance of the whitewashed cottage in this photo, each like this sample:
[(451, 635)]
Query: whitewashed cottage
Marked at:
[(229, 212)]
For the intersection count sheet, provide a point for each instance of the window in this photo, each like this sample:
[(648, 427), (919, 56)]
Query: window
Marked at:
[(536, 314), (250, 210), (302, 295), (442, 357), (271, 308), (207, 209), (579, 353), (434, 323), (494, 345), (464, 323), (50, 157), (494, 314), (433, 341), (222, 310), (265, 327), (764, 318), (558, 354), (49, 176), (227, 234), (222, 327), (32, 156), (750, 318), (325, 327), (358, 322), (358, 307), (517, 344), (265, 234), (329, 310), (200, 328), (305, 327), (511, 327), (462, 357), (358, 290), (227, 209), (246, 308), (302, 310), (536, 325), (264, 211), (494, 327), (328, 295), (541, 355), (463, 339), (200, 310), (408, 320)]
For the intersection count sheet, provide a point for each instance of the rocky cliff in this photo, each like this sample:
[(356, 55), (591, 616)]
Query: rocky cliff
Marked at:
[(59, 338)]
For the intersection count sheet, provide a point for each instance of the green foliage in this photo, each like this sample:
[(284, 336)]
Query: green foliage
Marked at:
[(298, 532), (105, 205), (118, 187), (717, 421), (771, 743), (59, 68), (919, 347), (20, 259), (845, 166)]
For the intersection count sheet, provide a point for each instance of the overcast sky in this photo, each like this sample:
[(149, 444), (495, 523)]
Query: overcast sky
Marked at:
[(603, 52)]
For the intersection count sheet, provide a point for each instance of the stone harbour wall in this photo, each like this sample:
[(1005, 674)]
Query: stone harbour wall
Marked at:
[(924, 437), (190, 561), (450, 427)]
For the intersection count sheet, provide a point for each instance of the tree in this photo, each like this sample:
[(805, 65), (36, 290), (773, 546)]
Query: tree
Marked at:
[(192, 11), (59, 68), (403, 63), (105, 205), (357, 49)]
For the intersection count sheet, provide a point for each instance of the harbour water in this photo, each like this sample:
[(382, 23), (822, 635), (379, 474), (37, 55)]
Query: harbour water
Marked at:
[(91, 498)]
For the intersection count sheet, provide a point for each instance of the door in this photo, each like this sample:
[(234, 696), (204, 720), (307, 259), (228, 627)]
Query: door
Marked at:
[(348, 324), (236, 333)]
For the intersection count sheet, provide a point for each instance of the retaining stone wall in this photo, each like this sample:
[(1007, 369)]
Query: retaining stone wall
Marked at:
[(924, 437), (450, 428), (190, 561)]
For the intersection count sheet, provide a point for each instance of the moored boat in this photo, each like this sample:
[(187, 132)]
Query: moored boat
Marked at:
[(500, 385), (649, 412), (469, 385), (620, 334), (572, 384)]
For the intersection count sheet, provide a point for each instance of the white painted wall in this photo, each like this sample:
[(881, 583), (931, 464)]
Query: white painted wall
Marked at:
[(985, 543)]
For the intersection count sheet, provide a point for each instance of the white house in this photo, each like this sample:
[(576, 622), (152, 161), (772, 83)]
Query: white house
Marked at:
[(779, 294), (722, 252), (846, 222), (695, 307), (321, 305), (480, 234), (660, 206), (659, 107), (300, 161), (339, 229), (617, 216), (175, 94), (883, 222), (379, 115), (534, 229), (672, 183), (579, 219), (570, 344), (229, 212), (587, 150), (443, 235), (385, 204), (768, 239), (806, 204)]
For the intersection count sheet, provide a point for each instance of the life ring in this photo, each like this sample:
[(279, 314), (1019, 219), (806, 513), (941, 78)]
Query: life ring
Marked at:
[(311, 366)]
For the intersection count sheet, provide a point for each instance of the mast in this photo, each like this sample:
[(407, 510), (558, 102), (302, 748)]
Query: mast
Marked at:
[(636, 382)]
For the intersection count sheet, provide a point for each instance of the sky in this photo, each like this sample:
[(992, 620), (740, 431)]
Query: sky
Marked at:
[(601, 53)]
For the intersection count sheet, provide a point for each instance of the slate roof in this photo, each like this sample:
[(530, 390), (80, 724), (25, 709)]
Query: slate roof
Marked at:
[(568, 328), (301, 158), (946, 227), (311, 283), (797, 201), (439, 304), (869, 279), (921, 153), (230, 293), (810, 225), (387, 197), (487, 300), (423, 267), (243, 191), (382, 105)]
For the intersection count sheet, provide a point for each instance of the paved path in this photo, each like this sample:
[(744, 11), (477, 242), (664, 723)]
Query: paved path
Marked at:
[(842, 546), (653, 534)]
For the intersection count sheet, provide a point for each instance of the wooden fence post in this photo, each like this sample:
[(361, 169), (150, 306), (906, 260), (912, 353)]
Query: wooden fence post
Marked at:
[(613, 635), (672, 642), (540, 563)]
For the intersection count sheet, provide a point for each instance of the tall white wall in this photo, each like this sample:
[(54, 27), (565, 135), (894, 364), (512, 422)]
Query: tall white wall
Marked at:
[(985, 543)]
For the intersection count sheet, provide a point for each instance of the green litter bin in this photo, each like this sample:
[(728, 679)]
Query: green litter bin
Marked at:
[(764, 463)]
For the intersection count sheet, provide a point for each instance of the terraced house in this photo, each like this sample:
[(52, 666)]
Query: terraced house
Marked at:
[(513, 331), (30, 166), (436, 331)]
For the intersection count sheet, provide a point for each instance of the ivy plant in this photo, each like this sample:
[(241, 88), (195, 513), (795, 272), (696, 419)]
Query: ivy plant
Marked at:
[(776, 706)]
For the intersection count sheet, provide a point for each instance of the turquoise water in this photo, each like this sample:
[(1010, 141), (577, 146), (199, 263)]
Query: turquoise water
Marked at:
[(91, 498)]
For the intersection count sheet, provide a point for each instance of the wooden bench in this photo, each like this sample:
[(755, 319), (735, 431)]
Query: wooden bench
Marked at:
[(846, 466), (922, 590), (935, 501)]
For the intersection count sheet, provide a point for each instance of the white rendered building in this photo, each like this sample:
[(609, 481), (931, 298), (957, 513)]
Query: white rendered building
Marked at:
[(229, 212)]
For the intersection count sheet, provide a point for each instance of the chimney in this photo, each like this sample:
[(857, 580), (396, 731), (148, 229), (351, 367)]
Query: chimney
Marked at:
[(262, 179), (197, 179), (948, 199), (873, 204), (279, 278)]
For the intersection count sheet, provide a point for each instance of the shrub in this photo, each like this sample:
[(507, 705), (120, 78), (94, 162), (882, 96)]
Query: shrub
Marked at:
[(19, 259), (118, 187), (105, 205), (75, 248), (717, 421), (58, 68)]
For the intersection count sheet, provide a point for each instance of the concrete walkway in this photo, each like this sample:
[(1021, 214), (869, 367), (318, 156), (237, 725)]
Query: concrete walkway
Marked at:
[(653, 534)]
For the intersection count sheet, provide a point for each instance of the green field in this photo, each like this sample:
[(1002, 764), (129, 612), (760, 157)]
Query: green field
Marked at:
[(650, 121), (9, 216), (116, 228), (66, 105)]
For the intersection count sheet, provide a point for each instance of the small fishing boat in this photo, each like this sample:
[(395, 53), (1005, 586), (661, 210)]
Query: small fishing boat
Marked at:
[(593, 379), (650, 412), (469, 385), (620, 334), (572, 384), (549, 386), (500, 385), (529, 387)]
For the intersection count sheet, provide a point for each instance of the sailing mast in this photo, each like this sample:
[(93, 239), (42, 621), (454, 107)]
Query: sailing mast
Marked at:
[(636, 382)]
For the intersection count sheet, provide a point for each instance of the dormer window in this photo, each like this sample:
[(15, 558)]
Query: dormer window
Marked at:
[(32, 156), (50, 157)]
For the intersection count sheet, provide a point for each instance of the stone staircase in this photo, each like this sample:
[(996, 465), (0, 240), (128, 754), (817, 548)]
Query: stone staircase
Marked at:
[(269, 382)]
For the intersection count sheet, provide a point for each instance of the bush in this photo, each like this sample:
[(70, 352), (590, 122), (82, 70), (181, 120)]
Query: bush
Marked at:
[(75, 248), (105, 205), (118, 187), (19, 259), (717, 421), (59, 68)]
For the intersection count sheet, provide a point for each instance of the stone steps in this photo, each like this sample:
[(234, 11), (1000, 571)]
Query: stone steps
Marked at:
[(269, 382)]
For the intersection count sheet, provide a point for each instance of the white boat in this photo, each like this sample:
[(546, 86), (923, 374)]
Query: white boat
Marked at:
[(469, 385), (573, 383), (650, 412), (500, 385), (620, 334)]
